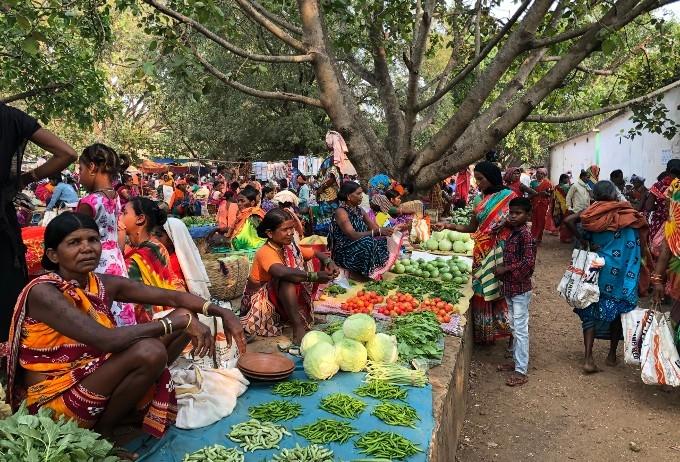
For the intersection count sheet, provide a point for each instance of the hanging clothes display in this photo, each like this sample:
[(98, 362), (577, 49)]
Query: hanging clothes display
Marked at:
[(336, 144)]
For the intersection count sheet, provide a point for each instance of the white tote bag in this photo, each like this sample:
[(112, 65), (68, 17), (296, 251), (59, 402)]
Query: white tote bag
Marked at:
[(659, 356), (579, 283), (635, 324)]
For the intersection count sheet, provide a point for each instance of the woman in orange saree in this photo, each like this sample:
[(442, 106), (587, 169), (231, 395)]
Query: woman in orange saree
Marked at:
[(540, 203), (67, 354), (490, 318)]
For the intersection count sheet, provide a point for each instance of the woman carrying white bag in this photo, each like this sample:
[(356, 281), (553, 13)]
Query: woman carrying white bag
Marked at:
[(618, 233)]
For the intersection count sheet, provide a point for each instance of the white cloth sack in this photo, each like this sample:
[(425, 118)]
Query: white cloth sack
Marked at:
[(659, 356), (579, 283), (205, 396), (635, 324), (189, 258)]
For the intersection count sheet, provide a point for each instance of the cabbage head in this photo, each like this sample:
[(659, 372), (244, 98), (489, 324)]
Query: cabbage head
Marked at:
[(351, 355), (320, 361), (382, 348), (359, 327), (338, 336), (313, 337)]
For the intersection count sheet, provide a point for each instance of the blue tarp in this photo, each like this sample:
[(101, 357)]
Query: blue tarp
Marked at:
[(176, 443), (200, 232)]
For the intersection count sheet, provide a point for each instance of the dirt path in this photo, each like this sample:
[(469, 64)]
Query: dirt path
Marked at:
[(562, 414)]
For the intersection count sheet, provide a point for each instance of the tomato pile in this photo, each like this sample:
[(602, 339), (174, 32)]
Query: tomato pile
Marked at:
[(362, 303), (399, 304), (439, 307)]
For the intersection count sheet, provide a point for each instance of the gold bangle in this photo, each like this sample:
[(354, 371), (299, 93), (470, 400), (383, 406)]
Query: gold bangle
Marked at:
[(191, 318), (205, 308)]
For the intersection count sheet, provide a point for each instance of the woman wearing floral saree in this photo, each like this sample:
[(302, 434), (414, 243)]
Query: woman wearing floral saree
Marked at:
[(540, 203), (560, 210), (490, 319)]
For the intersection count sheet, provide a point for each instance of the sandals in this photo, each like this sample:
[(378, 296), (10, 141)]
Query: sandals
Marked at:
[(516, 380)]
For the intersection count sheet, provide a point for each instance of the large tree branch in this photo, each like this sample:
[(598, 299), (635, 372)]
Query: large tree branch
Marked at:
[(275, 95), (563, 37), (224, 43), (475, 62), (275, 30), (362, 72), (595, 112), (53, 87), (581, 67), (277, 19)]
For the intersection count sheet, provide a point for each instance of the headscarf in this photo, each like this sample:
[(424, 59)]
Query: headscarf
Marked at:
[(509, 173), (542, 170), (593, 173), (491, 172), (282, 197), (382, 202), (189, 259), (672, 226), (380, 182)]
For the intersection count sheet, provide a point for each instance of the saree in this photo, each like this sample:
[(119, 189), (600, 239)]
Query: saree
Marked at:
[(245, 235), (261, 311), (368, 256), (539, 208), (35, 346), (560, 211), (490, 319), (149, 263), (659, 212)]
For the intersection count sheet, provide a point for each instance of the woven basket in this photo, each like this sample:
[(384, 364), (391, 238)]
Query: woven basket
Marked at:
[(228, 277)]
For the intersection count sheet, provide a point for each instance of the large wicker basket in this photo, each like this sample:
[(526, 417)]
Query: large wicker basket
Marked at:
[(228, 274)]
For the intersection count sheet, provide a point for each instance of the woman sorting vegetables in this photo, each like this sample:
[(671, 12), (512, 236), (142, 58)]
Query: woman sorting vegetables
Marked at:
[(356, 242), (490, 319), (280, 283), (243, 235), (67, 354)]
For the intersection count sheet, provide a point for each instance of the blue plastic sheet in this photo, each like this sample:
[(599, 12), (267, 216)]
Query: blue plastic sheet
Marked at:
[(200, 232), (176, 443)]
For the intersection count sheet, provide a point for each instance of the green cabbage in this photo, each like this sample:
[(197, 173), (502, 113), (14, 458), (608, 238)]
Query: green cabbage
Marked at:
[(351, 355), (320, 361), (359, 327), (313, 337), (382, 348), (338, 336)]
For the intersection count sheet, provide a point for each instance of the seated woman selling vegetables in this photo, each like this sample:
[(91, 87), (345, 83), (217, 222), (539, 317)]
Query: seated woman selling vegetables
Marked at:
[(280, 283), (67, 354)]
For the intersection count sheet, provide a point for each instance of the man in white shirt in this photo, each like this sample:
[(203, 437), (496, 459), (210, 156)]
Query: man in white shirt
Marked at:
[(524, 178), (579, 195)]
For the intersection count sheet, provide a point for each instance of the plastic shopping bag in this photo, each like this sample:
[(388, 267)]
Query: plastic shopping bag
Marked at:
[(635, 324), (659, 356), (579, 283)]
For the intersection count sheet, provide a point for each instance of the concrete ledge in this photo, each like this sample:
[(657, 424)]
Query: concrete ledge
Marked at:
[(449, 395)]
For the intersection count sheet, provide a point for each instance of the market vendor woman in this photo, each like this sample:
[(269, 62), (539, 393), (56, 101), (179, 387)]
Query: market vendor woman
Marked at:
[(280, 283), (243, 236), (67, 354)]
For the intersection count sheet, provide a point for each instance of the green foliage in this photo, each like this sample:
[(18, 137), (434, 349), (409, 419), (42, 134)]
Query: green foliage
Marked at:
[(39, 438)]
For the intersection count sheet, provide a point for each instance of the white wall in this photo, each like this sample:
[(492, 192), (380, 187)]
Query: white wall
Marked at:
[(645, 155)]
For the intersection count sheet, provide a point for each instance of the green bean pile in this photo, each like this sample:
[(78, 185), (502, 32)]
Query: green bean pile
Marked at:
[(395, 374), (253, 435), (386, 444), (295, 388), (311, 453), (217, 453), (343, 405), (275, 411), (327, 430), (381, 390), (396, 414)]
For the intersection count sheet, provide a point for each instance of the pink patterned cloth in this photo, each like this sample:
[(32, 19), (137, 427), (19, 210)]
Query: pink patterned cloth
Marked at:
[(106, 214)]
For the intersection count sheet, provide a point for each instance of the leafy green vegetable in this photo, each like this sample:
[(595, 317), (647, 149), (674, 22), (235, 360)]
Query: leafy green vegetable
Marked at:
[(418, 336), (335, 289), (380, 287), (27, 437)]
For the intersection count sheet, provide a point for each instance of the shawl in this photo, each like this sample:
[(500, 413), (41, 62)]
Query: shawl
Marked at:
[(242, 218), (382, 202), (611, 216), (195, 275), (35, 346), (672, 226)]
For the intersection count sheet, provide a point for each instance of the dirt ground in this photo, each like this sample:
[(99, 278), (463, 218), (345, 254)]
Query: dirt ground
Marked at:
[(562, 414)]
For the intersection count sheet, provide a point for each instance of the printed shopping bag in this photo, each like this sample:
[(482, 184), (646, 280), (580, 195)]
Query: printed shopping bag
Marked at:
[(635, 324), (659, 356), (579, 283)]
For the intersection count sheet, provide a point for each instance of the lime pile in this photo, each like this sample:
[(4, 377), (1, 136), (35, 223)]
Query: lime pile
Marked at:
[(455, 269)]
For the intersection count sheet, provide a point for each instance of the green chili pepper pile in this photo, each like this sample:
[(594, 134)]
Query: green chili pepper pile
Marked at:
[(253, 435), (334, 326), (217, 453), (386, 444), (335, 289), (327, 430), (275, 411), (381, 390), (396, 414), (295, 388), (380, 287), (396, 374), (343, 405), (311, 453)]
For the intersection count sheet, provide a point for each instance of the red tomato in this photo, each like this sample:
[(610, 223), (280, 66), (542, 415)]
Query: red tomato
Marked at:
[(447, 318)]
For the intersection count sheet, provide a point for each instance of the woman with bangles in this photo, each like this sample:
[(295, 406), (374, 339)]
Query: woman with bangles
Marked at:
[(67, 354), (281, 283)]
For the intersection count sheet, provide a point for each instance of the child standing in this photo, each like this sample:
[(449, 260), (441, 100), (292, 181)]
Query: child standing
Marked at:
[(99, 166), (519, 259)]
